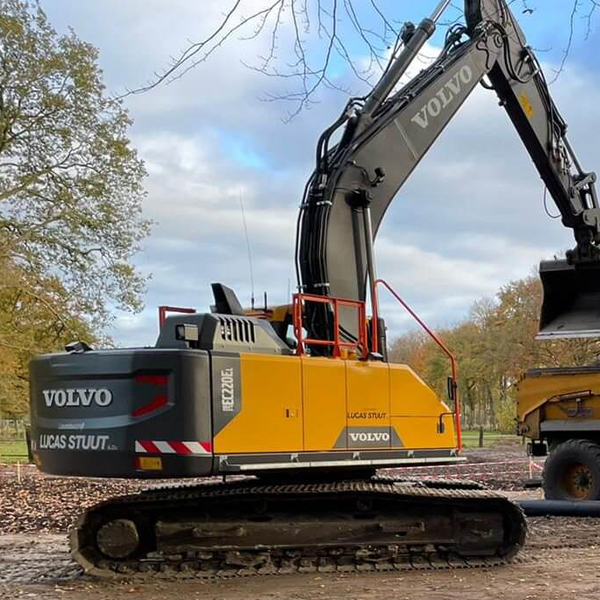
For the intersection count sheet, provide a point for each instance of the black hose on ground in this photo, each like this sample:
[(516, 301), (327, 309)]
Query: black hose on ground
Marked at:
[(560, 508)]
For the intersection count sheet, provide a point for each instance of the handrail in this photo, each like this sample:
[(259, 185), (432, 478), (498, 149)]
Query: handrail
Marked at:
[(432, 335), (163, 310), (297, 319)]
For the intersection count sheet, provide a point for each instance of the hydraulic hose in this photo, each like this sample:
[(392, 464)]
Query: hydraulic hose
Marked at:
[(560, 508)]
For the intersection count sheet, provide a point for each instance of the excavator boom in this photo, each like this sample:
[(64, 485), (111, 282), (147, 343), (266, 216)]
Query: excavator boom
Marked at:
[(385, 137)]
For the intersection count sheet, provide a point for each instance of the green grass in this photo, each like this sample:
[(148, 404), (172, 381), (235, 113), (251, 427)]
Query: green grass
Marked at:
[(11, 452), (471, 438)]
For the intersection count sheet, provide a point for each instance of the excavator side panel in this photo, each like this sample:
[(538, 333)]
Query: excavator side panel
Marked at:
[(368, 422), (324, 391), (293, 410), (270, 406), (416, 412)]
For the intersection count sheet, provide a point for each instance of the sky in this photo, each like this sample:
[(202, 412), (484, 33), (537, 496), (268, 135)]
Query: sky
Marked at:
[(470, 219)]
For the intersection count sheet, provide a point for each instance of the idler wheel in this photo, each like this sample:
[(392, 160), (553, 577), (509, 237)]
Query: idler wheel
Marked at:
[(118, 538)]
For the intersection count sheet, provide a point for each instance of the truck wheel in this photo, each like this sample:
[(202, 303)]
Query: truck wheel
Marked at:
[(572, 472)]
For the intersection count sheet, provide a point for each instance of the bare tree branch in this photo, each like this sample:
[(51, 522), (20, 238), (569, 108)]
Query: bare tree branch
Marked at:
[(186, 59), (567, 50), (304, 21), (588, 18), (304, 41)]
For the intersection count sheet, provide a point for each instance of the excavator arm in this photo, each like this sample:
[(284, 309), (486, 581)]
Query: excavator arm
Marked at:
[(522, 89), (383, 137)]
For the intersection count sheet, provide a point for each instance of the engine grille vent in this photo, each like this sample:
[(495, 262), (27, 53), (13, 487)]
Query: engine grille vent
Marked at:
[(237, 330)]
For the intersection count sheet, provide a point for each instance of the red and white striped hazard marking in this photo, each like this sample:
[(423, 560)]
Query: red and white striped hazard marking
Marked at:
[(181, 448)]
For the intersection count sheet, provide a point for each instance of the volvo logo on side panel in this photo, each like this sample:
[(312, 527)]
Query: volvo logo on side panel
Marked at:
[(77, 397), (368, 437)]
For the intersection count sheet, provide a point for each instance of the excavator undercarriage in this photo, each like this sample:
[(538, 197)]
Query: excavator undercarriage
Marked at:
[(249, 527)]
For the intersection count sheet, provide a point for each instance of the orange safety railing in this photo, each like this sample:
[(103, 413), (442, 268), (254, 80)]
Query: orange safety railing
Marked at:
[(432, 335), (163, 310), (361, 344)]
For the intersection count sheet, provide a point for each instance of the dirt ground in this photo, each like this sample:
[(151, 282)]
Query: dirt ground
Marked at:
[(560, 561)]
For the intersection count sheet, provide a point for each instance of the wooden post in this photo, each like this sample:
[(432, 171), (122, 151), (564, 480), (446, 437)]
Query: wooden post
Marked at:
[(481, 436), (28, 442)]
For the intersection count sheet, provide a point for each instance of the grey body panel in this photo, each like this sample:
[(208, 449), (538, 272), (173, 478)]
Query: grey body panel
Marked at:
[(97, 413), (230, 333), (368, 437), (354, 459), (101, 440)]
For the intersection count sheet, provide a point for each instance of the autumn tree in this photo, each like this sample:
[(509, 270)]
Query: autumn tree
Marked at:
[(36, 315), (494, 347), (70, 183), (70, 197)]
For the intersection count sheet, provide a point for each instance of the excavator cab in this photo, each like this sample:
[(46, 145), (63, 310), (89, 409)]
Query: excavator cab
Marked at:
[(571, 307)]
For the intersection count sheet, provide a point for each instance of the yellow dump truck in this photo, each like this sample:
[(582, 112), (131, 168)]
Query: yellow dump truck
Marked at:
[(559, 411)]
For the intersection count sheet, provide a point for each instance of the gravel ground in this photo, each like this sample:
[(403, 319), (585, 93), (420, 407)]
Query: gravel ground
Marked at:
[(46, 504), (561, 561)]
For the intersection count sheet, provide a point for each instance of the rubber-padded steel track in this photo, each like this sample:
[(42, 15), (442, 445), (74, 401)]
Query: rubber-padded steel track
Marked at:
[(247, 528)]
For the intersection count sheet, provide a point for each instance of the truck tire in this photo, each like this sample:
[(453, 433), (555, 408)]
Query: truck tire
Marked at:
[(572, 472)]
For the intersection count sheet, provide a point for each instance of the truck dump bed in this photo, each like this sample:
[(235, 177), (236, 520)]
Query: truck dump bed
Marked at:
[(559, 402)]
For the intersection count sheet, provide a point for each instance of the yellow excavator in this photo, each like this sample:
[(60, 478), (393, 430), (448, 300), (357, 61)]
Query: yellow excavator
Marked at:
[(297, 429)]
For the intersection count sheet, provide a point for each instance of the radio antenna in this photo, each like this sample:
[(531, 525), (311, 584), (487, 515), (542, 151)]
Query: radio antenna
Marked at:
[(249, 249)]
